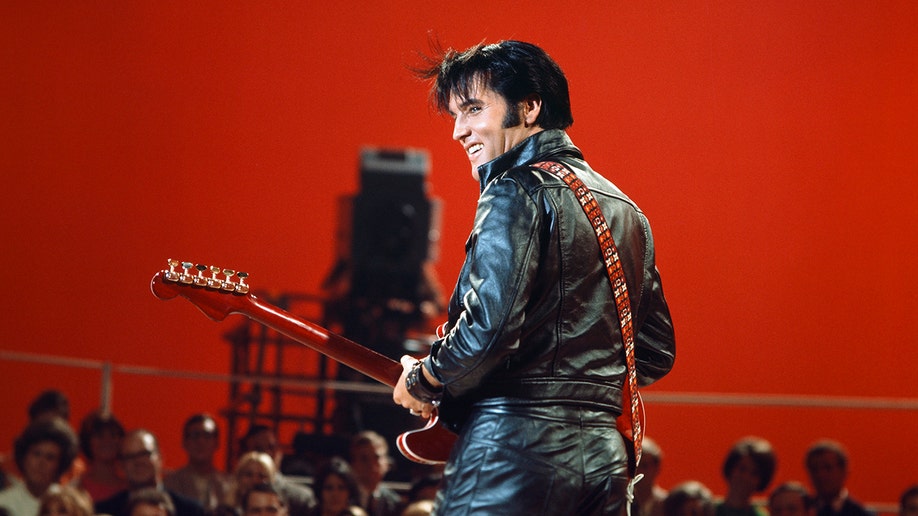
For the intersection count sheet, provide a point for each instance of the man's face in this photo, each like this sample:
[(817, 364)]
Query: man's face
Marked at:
[(369, 464), (909, 507), (479, 125), (266, 442), (40, 465), (264, 504), (147, 509), (788, 503), (142, 463), (827, 474), (200, 441)]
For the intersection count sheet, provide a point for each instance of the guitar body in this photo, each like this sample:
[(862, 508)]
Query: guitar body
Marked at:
[(215, 293)]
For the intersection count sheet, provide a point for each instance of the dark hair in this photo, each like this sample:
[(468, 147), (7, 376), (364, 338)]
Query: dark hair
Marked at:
[(54, 430), (911, 492), (149, 496), (94, 424), (51, 400), (340, 468), (686, 492), (793, 487), (514, 69), (827, 446), (261, 488), (761, 453), (201, 418)]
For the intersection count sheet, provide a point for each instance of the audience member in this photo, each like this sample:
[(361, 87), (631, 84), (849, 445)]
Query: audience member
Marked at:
[(300, 499), (370, 461), (143, 468), (908, 502), (50, 403), (44, 451), (748, 469), (425, 488), (791, 499), (648, 495), (149, 501), (336, 487), (419, 508), (690, 498), (64, 501), (199, 478), (263, 499), (100, 441), (252, 468), (827, 465)]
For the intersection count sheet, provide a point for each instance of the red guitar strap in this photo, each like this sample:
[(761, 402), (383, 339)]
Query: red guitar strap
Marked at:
[(629, 423)]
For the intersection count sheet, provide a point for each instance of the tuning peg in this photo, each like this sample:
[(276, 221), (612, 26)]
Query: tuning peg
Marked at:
[(228, 284), (200, 280), (171, 274), (242, 287), (186, 276)]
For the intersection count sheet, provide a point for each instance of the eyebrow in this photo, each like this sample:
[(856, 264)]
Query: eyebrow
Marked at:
[(466, 103)]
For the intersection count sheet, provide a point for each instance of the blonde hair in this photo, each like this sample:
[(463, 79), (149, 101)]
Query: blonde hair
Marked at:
[(74, 501)]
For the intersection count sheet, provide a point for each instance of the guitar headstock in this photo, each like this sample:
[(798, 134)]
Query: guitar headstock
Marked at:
[(218, 292)]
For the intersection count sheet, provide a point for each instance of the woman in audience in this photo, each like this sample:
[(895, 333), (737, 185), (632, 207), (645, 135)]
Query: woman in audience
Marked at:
[(336, 487), (100, 440), (64, 501), (748, 469)]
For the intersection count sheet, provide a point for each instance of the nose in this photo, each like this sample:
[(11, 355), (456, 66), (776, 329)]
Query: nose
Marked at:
[(460, 129)]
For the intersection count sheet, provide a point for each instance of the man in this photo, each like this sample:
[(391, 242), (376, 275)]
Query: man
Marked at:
[(44, 451), (827, 465), (531, 365), (260, 438), (370, 461), (200, 479), (263, 500), (791, 499), (908, 502), (143, 468), (648, 494)]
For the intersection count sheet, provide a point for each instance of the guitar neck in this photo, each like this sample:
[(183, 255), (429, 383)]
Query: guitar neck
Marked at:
[(379, 367)]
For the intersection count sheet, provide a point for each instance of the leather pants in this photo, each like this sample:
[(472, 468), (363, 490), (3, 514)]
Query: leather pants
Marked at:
[(513, 460)]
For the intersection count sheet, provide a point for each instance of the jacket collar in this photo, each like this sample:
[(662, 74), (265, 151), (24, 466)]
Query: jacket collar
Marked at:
[(538, 147)]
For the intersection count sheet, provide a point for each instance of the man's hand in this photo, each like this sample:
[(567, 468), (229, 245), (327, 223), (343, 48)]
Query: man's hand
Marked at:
[(402, 397)]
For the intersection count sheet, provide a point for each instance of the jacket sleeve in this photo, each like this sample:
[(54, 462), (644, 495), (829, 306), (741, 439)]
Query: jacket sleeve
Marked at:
[(494, 284), (655, 341)]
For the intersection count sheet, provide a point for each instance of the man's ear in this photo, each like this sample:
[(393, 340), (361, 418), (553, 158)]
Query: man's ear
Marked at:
[(532, 107)]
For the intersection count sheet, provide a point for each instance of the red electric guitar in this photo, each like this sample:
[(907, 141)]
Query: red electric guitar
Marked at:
[(220, 292)]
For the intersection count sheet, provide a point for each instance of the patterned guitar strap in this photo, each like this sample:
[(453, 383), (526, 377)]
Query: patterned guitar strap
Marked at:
[(629, 423)]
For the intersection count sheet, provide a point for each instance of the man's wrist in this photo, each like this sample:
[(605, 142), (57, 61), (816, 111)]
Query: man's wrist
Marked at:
[(420, 387)]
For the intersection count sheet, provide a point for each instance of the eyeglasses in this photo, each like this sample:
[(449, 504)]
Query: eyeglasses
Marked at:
[(142, 454)]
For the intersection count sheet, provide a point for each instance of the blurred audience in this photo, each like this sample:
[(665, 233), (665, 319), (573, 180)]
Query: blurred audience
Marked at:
[(370, 460), (149, 501), (748, 469), (908, 502), (44, 451), (143, 468), (690, 498), (65, 501), (827, 465), (263, 500), (199, 478), (300, 499), (648, 494), (791, 499), (337, 488), (100, 441)]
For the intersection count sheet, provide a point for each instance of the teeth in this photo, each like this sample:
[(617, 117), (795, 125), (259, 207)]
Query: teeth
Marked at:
[(475, 148)]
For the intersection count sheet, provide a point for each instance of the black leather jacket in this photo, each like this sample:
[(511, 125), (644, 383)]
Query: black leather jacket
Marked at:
[(532, 319)]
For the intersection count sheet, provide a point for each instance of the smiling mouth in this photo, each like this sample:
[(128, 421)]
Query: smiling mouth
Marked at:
[(475, 149)]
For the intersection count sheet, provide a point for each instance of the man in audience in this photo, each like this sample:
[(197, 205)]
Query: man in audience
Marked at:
[(370, 460), (143, 468), (791, 499), (200, 479), (648, 495), (827, 465), (44, 451), (908, 502), (263, 500), (261, 438)]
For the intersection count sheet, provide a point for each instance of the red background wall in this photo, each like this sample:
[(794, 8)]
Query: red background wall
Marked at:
[(772, 144)]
